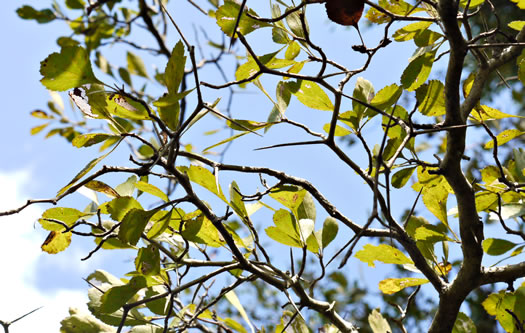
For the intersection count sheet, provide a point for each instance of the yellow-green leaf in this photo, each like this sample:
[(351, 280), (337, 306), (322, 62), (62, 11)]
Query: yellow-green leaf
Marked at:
[(383, 253), (417, 71), (517, 25), (378, 323), (68, 69), (410, 31), (391, 286), (151, 189), (431, 98), (56, 242), (484, 113), (204, 178), (310, 94), (496, 246), (504, 137), (136, 65)]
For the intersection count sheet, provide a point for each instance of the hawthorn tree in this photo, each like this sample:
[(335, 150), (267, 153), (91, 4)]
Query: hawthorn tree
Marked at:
[(274, 250)]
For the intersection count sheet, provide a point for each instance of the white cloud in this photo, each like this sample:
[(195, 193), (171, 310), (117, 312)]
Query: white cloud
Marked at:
[(20, 253)]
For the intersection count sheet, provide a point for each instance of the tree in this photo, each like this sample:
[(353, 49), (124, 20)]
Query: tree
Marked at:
[(203, 258)]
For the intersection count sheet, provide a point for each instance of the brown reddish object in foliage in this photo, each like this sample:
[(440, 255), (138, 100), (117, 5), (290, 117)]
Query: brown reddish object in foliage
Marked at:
[(346, 12)]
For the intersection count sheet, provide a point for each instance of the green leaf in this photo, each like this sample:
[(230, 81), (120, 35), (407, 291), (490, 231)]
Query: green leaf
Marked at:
[(306, 209), (286, 230), (435, 199), (464, 324), (383, 253), (504, 137), (127, 188), (378, 323), (160, 225), (290, 196), (174, 71), (431, 98), (133, 225), (496, 246), (339, 130), (56, 242), (125, 76), (37, 129), (41, 16), (86, 140), (116, 297), (430, 233), (147, 261), (236, 202), (75, 4), (411, 31), (391, 286), (294, 22), (401, 177), (151, 189), (363, 91), (204, 178), (68, 69), (329, 231), (119, 207), (417, 71), (201, 230), (310, 94), (67, 215), (292, 51), (136, 65), (227, 14), (157, 306), (484, 113), (517, 25), (387, 96), (485, 200)]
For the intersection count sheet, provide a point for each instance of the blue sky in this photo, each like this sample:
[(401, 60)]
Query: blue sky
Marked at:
[(32, 167)]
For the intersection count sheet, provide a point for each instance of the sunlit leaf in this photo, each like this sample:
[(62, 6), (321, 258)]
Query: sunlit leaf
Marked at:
[(86, 140), (310, 94), (66, 215), (136, 65), (417, 71), (329, 231), (174, 71), (204, 178), (147, 261), (392, 285), (83, 322), (68, 69), (496, 246), (378, 323), (151, 189), (431, 98), (227, 14), (56, 241), (116, 297), (387, 96), (401, 177), (133, 224), (383, 253), (504, 137)]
